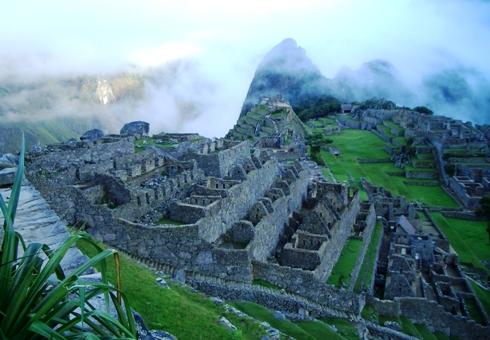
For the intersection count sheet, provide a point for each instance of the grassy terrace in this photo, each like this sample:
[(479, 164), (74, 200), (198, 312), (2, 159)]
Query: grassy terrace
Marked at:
[(316, 123), (149, 142), (328, 121), (366, 145), (366, 272), (341, 272), (468, 238), (411, 168), (394, 125), (387, 131)]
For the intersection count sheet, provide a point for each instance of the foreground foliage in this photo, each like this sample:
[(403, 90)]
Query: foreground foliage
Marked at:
[(37, 299)]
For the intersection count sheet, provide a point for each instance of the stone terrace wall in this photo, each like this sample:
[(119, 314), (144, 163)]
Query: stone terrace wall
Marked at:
[(271, 226), (305, 284), (339, 236), (366, 239), (240, 198), (221, 163), (427, 312)]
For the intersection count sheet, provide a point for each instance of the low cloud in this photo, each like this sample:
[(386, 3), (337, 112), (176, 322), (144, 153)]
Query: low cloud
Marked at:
[(220, 46)]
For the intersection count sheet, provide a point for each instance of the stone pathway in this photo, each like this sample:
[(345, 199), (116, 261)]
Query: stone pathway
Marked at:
[(36, 222)]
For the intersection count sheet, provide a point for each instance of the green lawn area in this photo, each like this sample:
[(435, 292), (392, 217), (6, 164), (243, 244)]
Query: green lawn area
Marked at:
[(149, 142), (316, 123), (263, 314), (431, 195), (468, 238), (176, 310), (346, 328), (366, 271), (319, 330), (483, 295), (362, 144), (342, 270), (395, 126)]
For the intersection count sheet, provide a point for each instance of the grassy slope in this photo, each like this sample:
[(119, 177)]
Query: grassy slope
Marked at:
[(177, 311)]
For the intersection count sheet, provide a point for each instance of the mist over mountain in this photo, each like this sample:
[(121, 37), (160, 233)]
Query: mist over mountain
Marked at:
[(375, 78), (287, 70), (460, 93), (65, 106)]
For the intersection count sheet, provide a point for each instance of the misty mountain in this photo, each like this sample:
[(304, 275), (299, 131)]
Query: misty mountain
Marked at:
[(287, 70), (461, 93)]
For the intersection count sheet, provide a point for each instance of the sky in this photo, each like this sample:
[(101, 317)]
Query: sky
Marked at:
[(227, 40)]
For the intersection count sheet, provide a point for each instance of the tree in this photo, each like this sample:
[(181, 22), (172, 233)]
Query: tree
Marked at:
[(484, 212), (315, 141), (423, 109)]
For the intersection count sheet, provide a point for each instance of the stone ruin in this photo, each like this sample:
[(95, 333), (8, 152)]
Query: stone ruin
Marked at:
[(224, 211), (415, 261), (452, 143)]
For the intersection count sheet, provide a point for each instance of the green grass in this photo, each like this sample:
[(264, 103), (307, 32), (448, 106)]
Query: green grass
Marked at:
[(464, 239), (362, 144), (409, 328), (474, 311), (177, 311), (316, 123), (319, 330), (263, 314), (483, 295), (395, 126), (149, 142), (345, 328), (424, 332), (342, 271), (367, 267)]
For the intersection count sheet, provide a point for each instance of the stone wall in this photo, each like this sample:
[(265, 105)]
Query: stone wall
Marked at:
[(366, 239), (239, 200), (422, 174), (220, 164), (304, 283), (427, 312)]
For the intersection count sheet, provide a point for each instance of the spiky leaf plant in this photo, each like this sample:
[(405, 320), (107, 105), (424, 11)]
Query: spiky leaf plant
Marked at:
[(37, 299)]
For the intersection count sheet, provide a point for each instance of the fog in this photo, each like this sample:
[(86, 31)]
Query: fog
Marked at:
[(439, 50)]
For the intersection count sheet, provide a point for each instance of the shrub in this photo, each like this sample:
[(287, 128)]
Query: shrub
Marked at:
[(38, 301)]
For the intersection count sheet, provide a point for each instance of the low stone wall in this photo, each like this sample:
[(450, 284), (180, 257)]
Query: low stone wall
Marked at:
[(305, 284), (422, 174), (387, 333), (387, 308), (423, 164), (463, 215), (427, 312), (383, 160), (422, 184), (270, 298)]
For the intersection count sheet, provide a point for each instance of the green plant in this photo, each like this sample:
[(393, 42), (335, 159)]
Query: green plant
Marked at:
[(38, 301)]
